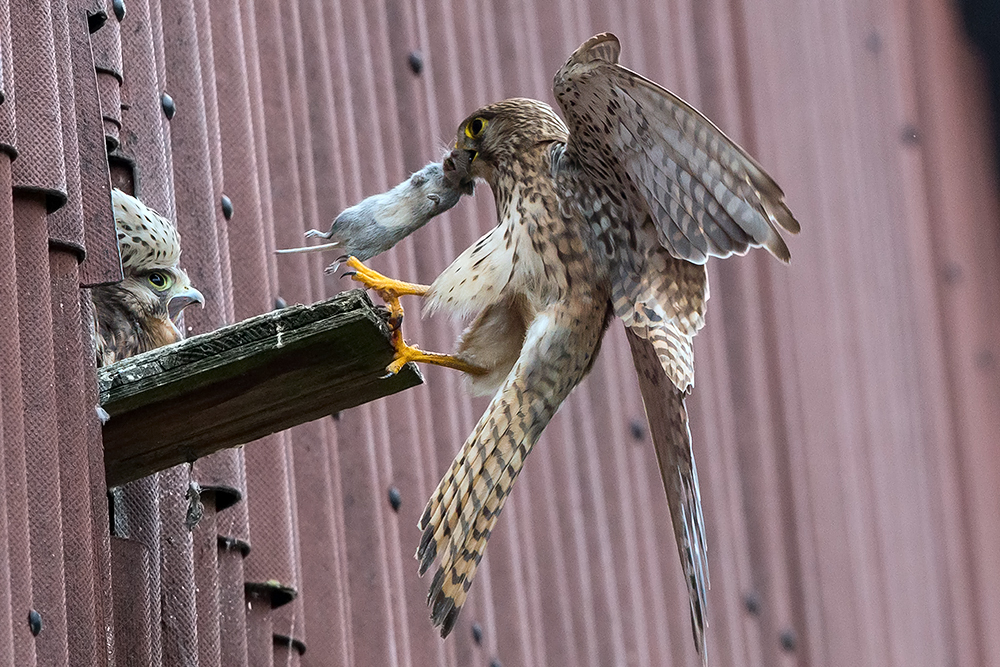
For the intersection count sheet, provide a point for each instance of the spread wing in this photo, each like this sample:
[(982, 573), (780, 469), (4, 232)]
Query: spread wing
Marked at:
[(707, 196)]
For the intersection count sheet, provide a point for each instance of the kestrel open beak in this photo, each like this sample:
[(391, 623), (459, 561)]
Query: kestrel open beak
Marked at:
[(182, 300)]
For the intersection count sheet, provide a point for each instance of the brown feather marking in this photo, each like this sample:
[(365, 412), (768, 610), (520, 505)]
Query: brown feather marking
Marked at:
[(462, 512)]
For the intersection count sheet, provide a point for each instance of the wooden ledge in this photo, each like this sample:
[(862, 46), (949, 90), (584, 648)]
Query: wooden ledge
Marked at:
[(225, 388)]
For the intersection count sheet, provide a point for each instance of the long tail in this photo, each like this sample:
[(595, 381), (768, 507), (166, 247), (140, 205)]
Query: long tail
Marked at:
[(461, 513), (668, 425), (309, 248)]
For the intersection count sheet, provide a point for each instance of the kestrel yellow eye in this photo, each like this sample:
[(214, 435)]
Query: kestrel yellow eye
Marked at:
[(475, 128), (159, 281)]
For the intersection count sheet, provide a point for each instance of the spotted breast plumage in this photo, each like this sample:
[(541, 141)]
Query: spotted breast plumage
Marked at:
[(139, 313), (612, 213)]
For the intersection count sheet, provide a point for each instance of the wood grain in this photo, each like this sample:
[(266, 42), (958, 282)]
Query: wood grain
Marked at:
[(242, 382)]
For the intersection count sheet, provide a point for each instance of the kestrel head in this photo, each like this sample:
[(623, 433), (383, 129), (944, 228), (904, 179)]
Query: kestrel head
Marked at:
[(496, 136), (151, 250)]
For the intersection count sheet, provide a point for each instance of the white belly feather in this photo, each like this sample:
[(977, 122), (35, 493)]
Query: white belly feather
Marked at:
[(502, 259)]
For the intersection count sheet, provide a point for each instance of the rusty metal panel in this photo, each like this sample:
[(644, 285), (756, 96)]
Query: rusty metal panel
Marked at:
[(197, 192), (962, 247), (152, 511), (179, 613), (101, 262), (66, 224), (17, 573), (320, 514), (134, 615), (208, 584), (144, 141), (239, 162), (39, 129), (41, 435), (89, 424), (82, 493), (845, 411), (233, 634), (6, 627), (106, 45), (7, 129)]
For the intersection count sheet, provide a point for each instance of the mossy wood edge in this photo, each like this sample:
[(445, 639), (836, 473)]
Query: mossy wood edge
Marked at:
[(229, 387)]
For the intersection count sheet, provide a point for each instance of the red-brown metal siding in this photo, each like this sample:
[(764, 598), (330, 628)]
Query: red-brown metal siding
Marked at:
[(846, 408)]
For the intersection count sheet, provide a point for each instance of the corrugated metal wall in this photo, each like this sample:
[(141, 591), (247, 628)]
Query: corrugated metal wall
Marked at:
[(846, 411)]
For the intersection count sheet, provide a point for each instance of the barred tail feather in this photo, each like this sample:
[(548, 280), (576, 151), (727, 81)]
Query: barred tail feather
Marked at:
[(668, 426)]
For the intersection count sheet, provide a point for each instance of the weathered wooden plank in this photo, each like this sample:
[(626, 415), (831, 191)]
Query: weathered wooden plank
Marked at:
[(242, 382)]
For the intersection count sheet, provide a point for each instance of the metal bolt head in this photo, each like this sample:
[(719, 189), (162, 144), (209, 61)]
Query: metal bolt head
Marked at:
[(910, 135), (395, 499), (34, 622), (477, 634), (118, 6), (495, 663), (952, 273), (227, 207), (752, 603), (873, 42), (416, 60), (279, 303), (637, 428), (788, 640), (169, 108)]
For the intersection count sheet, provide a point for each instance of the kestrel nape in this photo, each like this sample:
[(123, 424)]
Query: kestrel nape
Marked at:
[(612, 213)]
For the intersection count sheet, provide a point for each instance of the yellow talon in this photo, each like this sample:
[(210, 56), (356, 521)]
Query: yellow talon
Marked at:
[(387, 288), (407, 353), (390, 290)]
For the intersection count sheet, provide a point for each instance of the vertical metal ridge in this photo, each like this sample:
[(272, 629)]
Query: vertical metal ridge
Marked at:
[(844, 416)]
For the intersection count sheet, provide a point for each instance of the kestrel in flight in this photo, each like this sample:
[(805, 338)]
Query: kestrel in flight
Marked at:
[(140, 312), (613, 212)]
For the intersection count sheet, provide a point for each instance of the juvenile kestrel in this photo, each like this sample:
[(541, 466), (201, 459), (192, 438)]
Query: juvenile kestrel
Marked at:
[(612, 213), (140, 312)]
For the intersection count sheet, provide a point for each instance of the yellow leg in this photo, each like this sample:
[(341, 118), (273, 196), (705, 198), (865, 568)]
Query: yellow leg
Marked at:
[(386, 287), (390, 290), (407, 353)]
